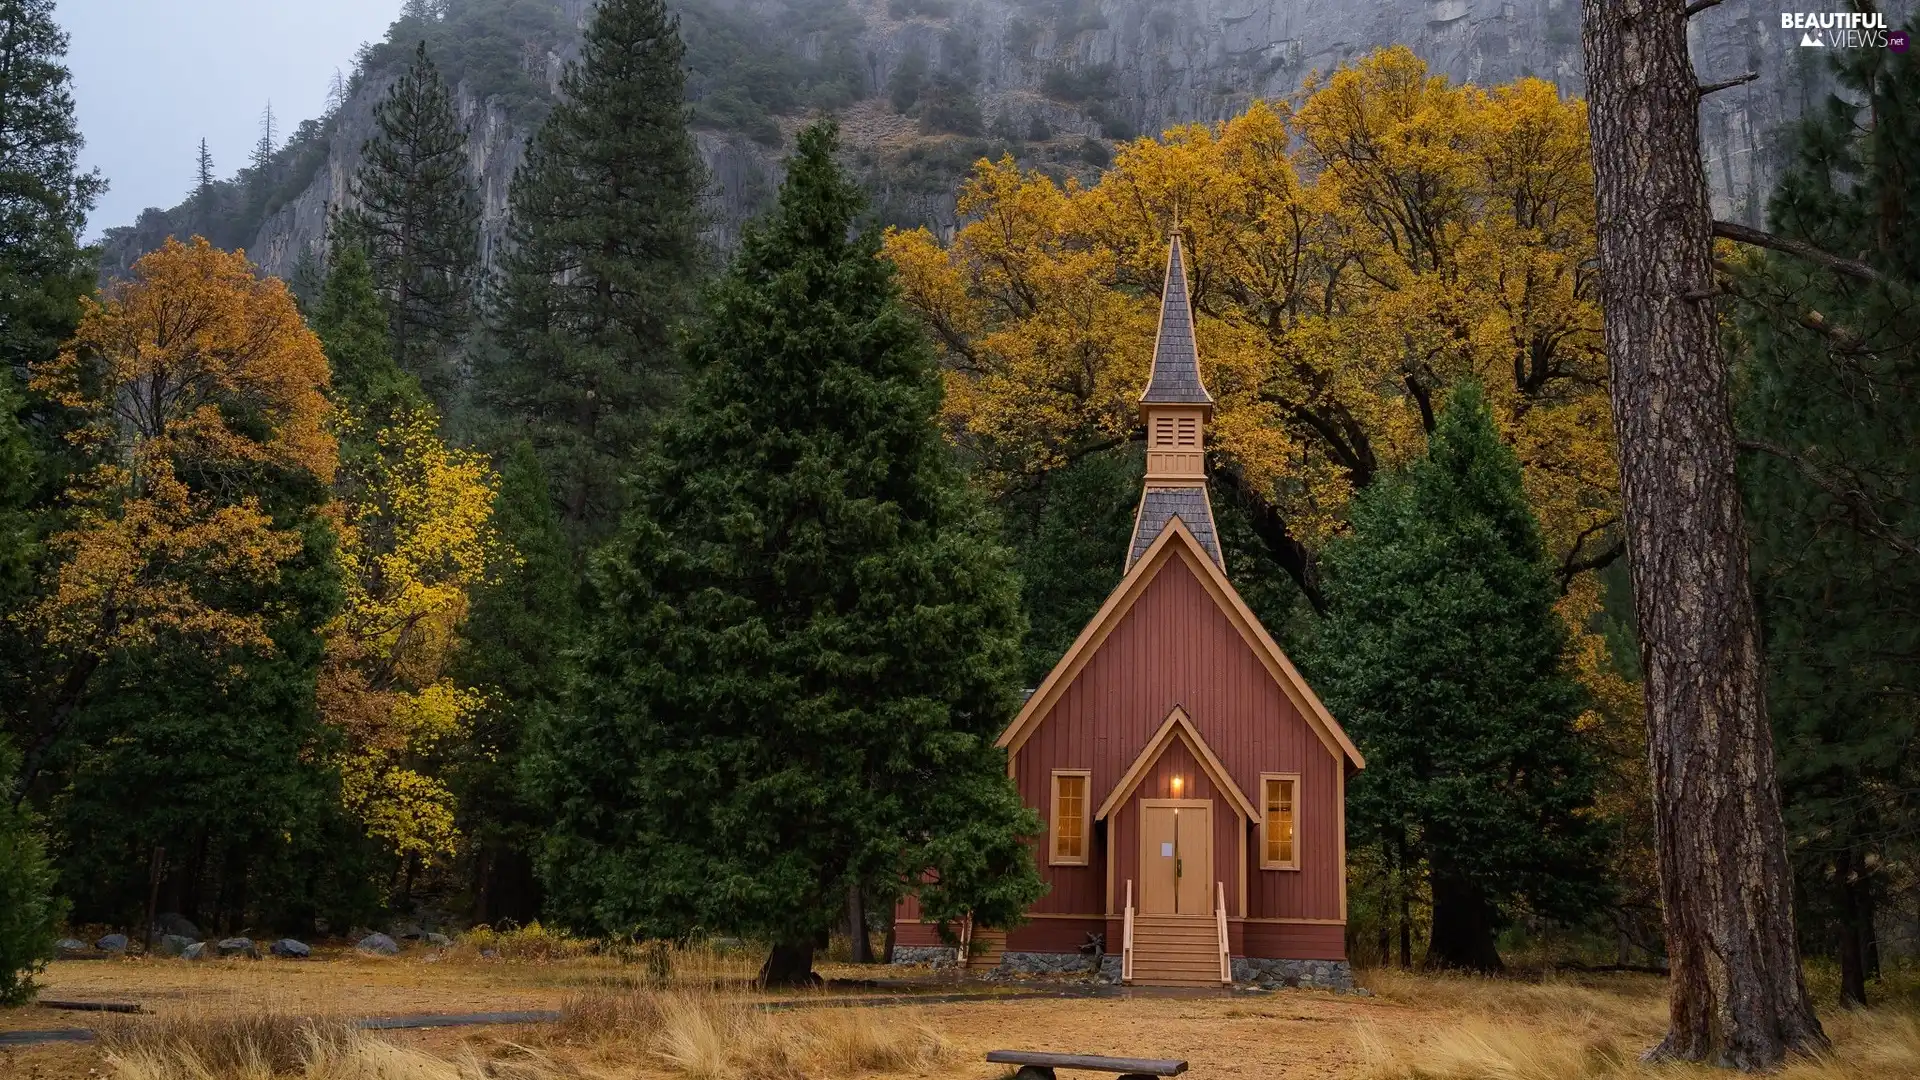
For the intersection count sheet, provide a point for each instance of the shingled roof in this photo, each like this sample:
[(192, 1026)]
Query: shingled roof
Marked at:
[(1160, 505), (1176, 365)]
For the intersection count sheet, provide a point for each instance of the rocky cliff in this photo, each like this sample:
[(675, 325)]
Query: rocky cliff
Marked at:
[(1055, 82)]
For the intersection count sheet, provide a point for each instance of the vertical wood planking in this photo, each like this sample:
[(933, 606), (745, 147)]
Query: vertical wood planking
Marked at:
[(1176, 647)]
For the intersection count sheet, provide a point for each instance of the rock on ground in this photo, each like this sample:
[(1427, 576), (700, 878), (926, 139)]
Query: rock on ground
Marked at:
[(172, 944), (113, 943), (239, 946), (380, 944), (291, 949)]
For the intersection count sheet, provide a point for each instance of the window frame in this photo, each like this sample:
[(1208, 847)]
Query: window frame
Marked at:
[(1265, 817), (1054, 858)]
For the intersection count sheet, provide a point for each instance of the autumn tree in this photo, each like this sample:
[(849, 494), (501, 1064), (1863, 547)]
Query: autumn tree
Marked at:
[(603, 253), (1351, 259), (420, 218), (176, 631), (806, 634), (1444, 657), (413, 517)]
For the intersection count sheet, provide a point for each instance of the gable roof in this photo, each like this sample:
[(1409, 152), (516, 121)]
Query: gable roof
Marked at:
[(1176, 364), (1178, 727), (1177, 542)]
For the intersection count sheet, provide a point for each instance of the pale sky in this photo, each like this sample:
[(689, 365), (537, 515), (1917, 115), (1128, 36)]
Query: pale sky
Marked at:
[(153, 76)]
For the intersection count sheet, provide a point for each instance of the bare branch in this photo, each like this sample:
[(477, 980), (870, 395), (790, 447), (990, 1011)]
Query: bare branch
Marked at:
[(1741, 234), (1699, 6), (1727, 84), (1573, 565)]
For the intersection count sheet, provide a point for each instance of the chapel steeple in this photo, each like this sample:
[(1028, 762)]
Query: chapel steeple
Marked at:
[(1175, 408)]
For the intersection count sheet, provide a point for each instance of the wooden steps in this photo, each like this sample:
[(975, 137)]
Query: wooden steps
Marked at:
[(1175, 950)]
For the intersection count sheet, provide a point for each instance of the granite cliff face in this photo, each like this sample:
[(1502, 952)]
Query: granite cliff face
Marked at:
[(1048, 76)]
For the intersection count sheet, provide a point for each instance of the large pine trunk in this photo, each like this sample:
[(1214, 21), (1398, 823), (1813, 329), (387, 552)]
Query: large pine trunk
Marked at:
[(1737, 997), (789, 964), (1464, 931)]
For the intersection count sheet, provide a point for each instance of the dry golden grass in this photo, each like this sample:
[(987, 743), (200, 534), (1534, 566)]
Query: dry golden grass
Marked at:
[(1590, 1029), (671, 1035)]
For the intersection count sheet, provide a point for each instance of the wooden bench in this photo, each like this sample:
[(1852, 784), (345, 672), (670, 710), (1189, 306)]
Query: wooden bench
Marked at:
[(1039, 1066)]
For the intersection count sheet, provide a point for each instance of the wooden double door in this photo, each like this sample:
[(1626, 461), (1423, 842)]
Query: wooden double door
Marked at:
[(1176, 857)]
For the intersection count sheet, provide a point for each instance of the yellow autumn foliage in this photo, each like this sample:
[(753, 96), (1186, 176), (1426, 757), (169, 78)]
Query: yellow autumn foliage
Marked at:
[(415, 525), (193, 367), (1350, 259)]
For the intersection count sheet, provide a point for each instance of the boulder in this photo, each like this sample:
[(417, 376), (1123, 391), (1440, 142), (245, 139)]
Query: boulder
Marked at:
[(438, 941), (291, 949), (172, 945), (196, 951), (172, 922), (379, 944), (70, 947), (238, 946), (113, 943), (407, 931)]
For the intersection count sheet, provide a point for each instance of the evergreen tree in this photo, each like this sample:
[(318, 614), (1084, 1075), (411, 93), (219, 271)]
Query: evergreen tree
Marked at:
[(44, 198), (353, 329), (1832, 413), (1443, 655), (203, 177), (263, 147), (518, 631), (806, 636), (28, 912), (604, 251), (421, 219)]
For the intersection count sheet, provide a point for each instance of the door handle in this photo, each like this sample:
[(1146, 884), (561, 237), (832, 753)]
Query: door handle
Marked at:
[(1177, 872)]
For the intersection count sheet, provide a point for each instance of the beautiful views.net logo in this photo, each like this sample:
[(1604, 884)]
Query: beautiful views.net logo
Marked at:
[(1844, 30)]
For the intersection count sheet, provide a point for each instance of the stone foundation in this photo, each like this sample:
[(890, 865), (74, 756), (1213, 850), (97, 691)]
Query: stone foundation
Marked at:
[(1312, 974), (937, 955), (1042, 963)]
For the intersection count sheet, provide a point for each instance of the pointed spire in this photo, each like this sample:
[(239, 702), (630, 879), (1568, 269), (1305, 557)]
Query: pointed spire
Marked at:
[(1176, 365)]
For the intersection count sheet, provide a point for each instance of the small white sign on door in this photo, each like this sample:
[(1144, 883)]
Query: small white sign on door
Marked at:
[(1166, 851)]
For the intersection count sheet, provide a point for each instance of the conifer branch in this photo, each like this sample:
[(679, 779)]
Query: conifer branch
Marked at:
[(1741, 234), (1728, 84), (1843, 491)]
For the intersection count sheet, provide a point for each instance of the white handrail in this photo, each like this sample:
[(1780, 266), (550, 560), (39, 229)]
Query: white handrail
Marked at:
[(1220, 918), (1126, 942)]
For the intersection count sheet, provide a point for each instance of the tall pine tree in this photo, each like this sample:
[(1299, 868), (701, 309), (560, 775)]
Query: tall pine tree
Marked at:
[(421, 220), (520, 628), (1831, 420), (1443, 655), (604, 253), (807, 634), (44, 197)]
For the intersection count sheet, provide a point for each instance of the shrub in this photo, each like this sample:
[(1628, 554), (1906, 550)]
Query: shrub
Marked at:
[(29, 914)]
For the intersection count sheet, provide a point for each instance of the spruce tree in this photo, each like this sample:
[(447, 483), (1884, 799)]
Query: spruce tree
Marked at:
[(518, 632), (806, 635), (1831, 417), (1443, 655), (603, 254), (421, 218)]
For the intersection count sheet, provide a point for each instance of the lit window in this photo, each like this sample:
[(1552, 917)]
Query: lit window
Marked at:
[(1069, 825), (1277, 827)]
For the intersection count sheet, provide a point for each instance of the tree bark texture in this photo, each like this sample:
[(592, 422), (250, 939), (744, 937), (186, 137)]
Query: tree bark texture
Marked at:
[(1737, 997), (858, 941), (1464, 934), (789, 964)]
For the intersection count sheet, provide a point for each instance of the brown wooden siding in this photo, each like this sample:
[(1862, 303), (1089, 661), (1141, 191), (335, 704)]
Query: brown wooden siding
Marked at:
[(1054, 935), (1292, 941), (1176, 647)]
